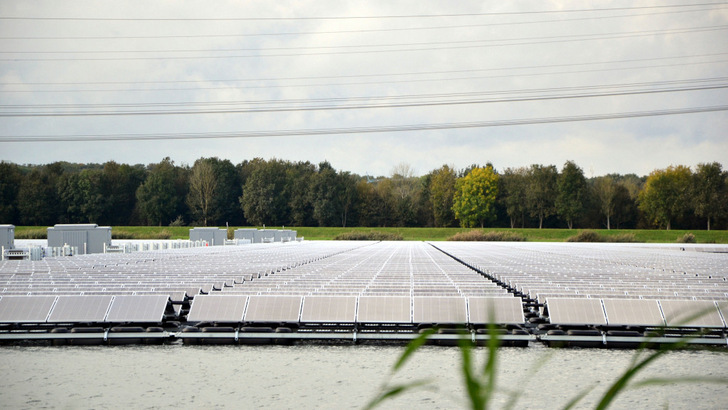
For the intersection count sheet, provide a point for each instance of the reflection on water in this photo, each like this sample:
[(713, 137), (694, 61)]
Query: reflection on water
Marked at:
[(332, 377)]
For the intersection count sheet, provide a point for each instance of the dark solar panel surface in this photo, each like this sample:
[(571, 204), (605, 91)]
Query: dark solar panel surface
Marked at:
[(337, 309), (640, 312), (501, 310), (384, 309), (138, 308), (80, 309), (25, 309), (217, 308), (576, 311), (273, 309), (691, 313), (439, 309)]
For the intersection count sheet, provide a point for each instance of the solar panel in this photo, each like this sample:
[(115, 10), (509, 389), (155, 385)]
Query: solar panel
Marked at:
[(80, 309), (217, 308), (25, 309), (691, 313), (147, 308), (495, 310), (384, 309), (273, 309), (337, 309), (565, 311), (637, 312), (723, 308), (439, 309)]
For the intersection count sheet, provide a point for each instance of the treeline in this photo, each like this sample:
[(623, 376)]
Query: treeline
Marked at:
[(277, 192)]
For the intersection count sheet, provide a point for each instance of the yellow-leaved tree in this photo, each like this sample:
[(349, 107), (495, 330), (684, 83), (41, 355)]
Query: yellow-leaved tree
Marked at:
[(474, 200)]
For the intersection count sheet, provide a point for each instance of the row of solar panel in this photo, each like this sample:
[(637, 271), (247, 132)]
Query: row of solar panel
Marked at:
[(220, 308), (352, 309), (633, 312), (83, 309), (593, 271)]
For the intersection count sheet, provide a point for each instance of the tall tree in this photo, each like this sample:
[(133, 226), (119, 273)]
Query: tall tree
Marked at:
[(10, 181), (442, 192), (665, 196), (572, 192), (605, 190), (38, 196), (406, 190), (541, 194), (158, 196), (203, 186), (515, 187), (474, 199), (710, 196), (265, 196), (327, 190), (119, 186)]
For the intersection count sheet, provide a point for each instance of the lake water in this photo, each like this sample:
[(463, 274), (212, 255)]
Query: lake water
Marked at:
[(334, 377)]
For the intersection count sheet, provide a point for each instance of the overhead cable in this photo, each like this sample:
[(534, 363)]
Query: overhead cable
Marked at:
[(357, 130)]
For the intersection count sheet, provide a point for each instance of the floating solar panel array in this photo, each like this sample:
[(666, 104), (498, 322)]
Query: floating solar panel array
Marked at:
[(371, 283), (614, 271)]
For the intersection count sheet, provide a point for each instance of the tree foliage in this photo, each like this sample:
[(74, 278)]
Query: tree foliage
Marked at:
[(475, 194), (157, 196), (709, 192), (571, 194), (541, 193), (665, 197), (442, 192), (277, 192)]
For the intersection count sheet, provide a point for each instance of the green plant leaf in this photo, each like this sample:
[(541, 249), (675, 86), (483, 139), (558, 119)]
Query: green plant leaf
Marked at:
[(412, 346), (395, 391)]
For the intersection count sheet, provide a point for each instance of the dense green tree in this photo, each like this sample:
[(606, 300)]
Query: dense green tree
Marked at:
[(157, 196), (571, 194), (515, 187), (666, 195), (442, 192), (366, 206), (265, 198), (10, 181), (328, 194), (474, 199), (119, 185), (541, 193), (709, 192), (300, 178), (38, 201)]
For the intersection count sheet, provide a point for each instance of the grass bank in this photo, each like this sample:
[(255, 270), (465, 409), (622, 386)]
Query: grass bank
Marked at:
[(408, 234)]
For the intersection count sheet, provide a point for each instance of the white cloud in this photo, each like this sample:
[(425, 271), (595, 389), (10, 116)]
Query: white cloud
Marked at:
[(543, 58)]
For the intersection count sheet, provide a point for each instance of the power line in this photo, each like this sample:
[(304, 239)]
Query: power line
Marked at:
[(380, 105), (574, 37), (450, 15), (360, 130), (400, 50), (379, 30), (378, 82)]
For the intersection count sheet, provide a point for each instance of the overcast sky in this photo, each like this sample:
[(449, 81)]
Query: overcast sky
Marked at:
[(468, 69)]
